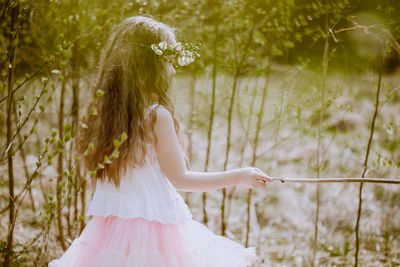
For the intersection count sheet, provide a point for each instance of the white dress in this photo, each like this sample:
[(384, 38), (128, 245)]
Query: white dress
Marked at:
[(146, 222)]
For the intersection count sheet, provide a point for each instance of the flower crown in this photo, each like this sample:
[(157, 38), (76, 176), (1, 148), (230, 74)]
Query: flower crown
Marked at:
[(180, 54)]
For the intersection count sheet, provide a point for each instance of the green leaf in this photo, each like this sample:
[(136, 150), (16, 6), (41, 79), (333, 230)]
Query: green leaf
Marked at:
[(276, 52), (67, 127), (91, 146), (124, 136), (99, 93), (107, 160), (93, 111), (117, 143), (115, 154), (67, 137)]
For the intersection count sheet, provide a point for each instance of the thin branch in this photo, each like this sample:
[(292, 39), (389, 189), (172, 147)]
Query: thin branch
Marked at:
[(336, 180), (4, 11), (366, 29), (26, 118), (25, 81)]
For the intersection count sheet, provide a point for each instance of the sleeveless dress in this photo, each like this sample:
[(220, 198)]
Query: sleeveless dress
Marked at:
[(146, 223)]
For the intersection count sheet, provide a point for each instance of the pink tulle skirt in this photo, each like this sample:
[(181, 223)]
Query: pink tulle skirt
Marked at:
[(117, 242)]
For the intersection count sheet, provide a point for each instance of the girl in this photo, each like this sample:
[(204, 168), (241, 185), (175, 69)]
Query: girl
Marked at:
[(139, 219)]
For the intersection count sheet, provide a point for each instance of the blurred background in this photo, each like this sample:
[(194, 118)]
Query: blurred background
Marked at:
[(296, 88)]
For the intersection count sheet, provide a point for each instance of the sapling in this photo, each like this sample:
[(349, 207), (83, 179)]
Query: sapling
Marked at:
[(211, 116), (246, 128), (372, 129), (13, 36), (192, 94), (260, 114), (59, 185), (23, 157), (238, 71), (321, 114)]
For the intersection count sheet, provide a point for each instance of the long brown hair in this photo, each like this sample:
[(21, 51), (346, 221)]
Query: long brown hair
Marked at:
[(132, 78)]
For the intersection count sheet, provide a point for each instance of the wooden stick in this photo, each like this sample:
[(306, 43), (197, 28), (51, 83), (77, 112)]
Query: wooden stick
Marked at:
[(336, 180)]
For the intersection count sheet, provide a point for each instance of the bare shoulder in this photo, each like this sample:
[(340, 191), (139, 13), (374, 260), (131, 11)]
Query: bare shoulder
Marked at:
[(163, 116), (162, 112)]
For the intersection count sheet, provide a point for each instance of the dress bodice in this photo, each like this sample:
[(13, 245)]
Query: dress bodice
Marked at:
[(144, 192)]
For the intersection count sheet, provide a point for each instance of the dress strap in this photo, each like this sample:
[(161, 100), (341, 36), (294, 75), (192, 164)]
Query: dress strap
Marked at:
[(150, 108), (153, 106)]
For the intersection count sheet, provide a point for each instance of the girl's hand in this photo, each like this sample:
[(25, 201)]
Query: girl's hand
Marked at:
[(252, 177)]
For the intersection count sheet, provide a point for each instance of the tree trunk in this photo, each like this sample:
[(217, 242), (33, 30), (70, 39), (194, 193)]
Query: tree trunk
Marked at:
[(239, 65), (321, 114), (228, 144), (254, 157), (243, 148), (372, 129), (75, 124), (13, 37), (59, 185), (193, 81), (211, 119)]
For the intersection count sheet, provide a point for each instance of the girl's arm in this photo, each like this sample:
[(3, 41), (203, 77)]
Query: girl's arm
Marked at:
[(171, 159)]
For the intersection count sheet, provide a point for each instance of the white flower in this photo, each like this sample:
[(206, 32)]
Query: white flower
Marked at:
[(186, 60), (182, 61), (56, 72), (153, 46), (159, 52), (178, 47), (163, 45)]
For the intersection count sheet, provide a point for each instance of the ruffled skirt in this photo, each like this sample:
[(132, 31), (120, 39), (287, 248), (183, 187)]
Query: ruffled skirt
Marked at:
[(114, 241)]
